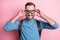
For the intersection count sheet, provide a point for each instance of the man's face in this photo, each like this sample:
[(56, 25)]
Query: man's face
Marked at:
[(30, 12)]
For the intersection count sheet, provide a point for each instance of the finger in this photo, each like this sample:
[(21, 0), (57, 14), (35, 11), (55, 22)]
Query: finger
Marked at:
[(37, 14), (36, 10)]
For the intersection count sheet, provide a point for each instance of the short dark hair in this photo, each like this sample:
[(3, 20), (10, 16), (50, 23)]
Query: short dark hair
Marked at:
[(29, 3)]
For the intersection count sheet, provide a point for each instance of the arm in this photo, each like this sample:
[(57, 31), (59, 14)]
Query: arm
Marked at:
[(16, 17), (11, 26), (46, 25), (46, 18), (13, 23), (50, 24)]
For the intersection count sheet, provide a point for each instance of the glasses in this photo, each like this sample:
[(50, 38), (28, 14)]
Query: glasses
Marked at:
[(29, 11)]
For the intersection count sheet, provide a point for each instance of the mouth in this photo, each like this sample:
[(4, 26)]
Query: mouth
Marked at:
[(30, 17)]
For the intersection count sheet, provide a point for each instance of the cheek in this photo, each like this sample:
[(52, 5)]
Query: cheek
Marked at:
[(33, 14), (26, 15)]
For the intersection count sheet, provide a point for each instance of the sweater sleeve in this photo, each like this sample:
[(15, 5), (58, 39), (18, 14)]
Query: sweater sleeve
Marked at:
[(11, 26), (46, 25)]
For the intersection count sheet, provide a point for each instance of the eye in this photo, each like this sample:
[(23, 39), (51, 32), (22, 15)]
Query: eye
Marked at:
[(33, 12), (29, 11)]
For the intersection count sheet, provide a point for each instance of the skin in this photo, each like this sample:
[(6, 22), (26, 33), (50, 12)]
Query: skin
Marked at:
[(30, 16)]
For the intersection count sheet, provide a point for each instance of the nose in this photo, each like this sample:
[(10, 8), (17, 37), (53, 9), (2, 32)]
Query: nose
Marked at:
[(29, 14)]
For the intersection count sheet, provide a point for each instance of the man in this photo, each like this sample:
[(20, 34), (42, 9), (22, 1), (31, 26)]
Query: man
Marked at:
[(29, 29)]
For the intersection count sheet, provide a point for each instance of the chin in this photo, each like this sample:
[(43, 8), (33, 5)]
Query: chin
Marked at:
[(29, 18)]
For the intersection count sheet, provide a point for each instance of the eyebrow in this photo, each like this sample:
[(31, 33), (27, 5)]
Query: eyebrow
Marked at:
[(29, 10)]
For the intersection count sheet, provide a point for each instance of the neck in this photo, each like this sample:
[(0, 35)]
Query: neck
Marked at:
[(29, 19)]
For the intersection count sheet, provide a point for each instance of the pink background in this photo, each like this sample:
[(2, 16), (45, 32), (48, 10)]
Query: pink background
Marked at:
[(9, 8)]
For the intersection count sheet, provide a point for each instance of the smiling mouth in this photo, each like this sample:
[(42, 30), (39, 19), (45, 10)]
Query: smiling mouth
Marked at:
[(29, 16)]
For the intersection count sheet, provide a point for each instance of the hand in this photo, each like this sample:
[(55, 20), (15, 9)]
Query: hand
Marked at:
[(20, 13), (38, 12)]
